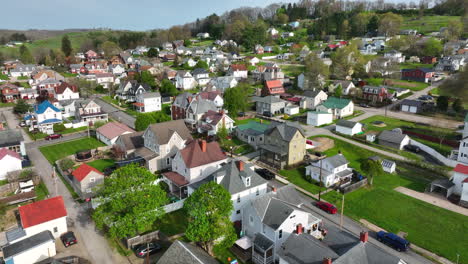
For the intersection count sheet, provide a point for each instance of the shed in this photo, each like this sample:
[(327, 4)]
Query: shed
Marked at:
[(347, 127), (291, 110)]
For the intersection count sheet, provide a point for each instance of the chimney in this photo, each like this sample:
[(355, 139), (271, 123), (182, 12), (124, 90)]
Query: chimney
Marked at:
[(189, 99), (203, 145), (274, 189), (240, 165), (327, 261), (299, 229), (364, 236), (221, 111)]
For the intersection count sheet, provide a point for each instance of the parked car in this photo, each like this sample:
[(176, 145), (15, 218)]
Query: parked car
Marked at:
[(266, 174), (412, 148), (143, 250), (425, 98), (309, 142), (53, 136), (364, 105), (241, 114), (400, 244), (68, 239), (327, 207), (267, 113)]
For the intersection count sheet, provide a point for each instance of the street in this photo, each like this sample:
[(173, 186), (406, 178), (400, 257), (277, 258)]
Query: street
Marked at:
[(116, 114)]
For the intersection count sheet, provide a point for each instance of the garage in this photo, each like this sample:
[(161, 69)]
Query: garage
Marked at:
[(411, 106)]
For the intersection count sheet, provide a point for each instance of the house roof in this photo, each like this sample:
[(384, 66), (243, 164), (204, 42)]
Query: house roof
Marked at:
[(337, 160), (132, 141), (304, 248), (199, 71), (209, 95), (270, 99), (83, 171), (411, 102), (176, 178), (312, 93), (10, 137), (262, 241), (164, 131), (202, 106), (392, 136), (287, 130), (63, 86), (42, 211), (238, 67), (460, 168), (274, 84), (346, 123), (151, 95), (6, 152), (181, 252), (253, 128), (232, 180), (114, 129), (27, 244), (41, 108), (335, 102), (193, 155)]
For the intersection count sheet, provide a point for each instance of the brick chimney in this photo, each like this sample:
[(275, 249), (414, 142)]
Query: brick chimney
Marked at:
[(203, 145), (364, 236), (327, 261), (240, 165), (299, 229), (189, 99), (274, 189)]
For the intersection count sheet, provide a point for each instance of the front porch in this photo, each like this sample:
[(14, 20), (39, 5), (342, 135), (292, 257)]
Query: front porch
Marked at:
[(177, 184), (139, 107), (262, 250), (94, 117), (273, 156)]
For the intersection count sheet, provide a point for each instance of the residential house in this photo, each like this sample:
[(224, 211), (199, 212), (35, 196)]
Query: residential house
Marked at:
[(42, 75), (89, 111), (268, 49), (77, 68), (96, 67), (338, 107), (258, 49), (428, 59), (66, 91), (291, 109), (23, 70), (212, 121), (460, 181), (27, 94), (180, 105), (417, 75), (272, 72), (128, 144), (347, 127), (346, 86), (85, 178), (238, 71), (202, 76), (45, 116), (91, 55), (109, 132), (212, 96), (317, 118), (393, 138), (105, 79), (47, 86), (450, 63), (395, 56), (148, 102), (222, 83), (312, 98), (284, 146), (161, 142), (411, 106), (30, 250), (271, 218), (193, 163), (182, 252), (375, 94), (12, 139), (272, 32), (304, 84), (188, 61), (197, 109), (252, 60), (185, 81), (269, 104), (331, 171), (252, 133), (273, 87), (9, 92), (203, 35), (128, 90), (408, 32), (9, 161), (116, 69)]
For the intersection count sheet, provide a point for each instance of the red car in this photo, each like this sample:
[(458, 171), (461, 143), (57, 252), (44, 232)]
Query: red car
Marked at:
[(327, 207), (53, 136)]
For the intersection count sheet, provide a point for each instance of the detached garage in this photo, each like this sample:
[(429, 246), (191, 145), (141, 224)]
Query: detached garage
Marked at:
[(411, 106), (347, 127)]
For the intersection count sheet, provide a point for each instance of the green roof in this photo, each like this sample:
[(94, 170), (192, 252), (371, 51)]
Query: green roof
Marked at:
[(260, 127), (335, 102)]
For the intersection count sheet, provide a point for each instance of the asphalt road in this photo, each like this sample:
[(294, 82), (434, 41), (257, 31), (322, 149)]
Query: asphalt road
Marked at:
[(116, 114)]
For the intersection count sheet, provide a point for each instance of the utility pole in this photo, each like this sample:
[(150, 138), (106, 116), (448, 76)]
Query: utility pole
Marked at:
[(342, 213), (54, 176), (320, 181), (88, 129)]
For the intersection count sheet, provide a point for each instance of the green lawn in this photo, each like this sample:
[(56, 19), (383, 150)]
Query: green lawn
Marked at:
[(414, 65), (3, 182), (292, 70), (172, 224), (245, 121), (297, 177), (441, 148), (6, 104), (427, 23), (435, 91), (40, 135), (58, 151), (25, 85), (41, 191), (68, 74), (413, 86), (101, 164), (110, 100), (202, 43), (4, 77)]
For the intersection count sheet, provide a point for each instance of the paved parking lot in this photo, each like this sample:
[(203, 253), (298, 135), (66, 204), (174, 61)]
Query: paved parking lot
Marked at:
[(73, 250)]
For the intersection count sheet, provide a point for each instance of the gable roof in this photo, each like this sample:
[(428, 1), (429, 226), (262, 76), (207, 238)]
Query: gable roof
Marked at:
[(83, 171), (312, 93), (253, 127), (392, 136), (193, 155), (346, 123), (335, 102), (202, 106), (286, 130), (181, 252), (41, 108), (42, 211), (114, 129), (337, 160), (411, 103), (232, 180), (304, 248), (270, 99), (132, 141), (273, 84), (164, 131), (460, 168), (27, 244), (63, 86), (10, 137), (6, 152)]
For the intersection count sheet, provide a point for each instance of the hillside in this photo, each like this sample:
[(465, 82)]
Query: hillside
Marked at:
[(427, 24)]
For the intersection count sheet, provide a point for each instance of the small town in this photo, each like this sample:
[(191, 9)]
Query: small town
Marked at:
[(234, 132)]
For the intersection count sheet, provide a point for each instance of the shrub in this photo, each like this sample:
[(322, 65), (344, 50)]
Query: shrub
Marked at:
[(66, 164), (59, 127), (164, 186)]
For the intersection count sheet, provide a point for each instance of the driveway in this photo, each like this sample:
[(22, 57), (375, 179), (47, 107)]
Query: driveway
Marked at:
[(13, 122), (116, 113)]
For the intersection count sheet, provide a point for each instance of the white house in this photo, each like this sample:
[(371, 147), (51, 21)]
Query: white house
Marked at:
[(291, 110), (109, 132), (148, 102), (395, 56), (105, 79), (272, 31), (46, 115), (185, 81), (317, 118), (49, 214), (347, 127), (214, 96), (9, 161), (394, 139), (202, 76), (338, 107), (66, 91), (31, 249), (238, 71), (312, 98), (211, 122), (117, 69), (332, 170), (346, 86)]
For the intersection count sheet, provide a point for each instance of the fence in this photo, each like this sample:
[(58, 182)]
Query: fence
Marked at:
[(75, 125), (8, 188), (446, 161), (146, 238), (19, 198), (354, 186), (174, 206), (450, 143)]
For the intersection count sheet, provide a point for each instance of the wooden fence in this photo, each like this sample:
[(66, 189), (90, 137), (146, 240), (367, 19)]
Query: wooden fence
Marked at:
[(146, 238)]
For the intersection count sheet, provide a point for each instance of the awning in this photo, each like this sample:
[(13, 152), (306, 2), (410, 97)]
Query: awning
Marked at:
[(244, 243), (176, 178)]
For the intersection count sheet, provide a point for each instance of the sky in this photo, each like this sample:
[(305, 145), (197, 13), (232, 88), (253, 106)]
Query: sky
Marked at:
[(115, 14)]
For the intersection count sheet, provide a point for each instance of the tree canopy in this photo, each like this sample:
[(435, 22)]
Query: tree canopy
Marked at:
[(110, 49), (236, 99), (130, 202), (316, 71), (21, 107), (25, 55), (66, 46), (168, 88), (372, 168), (145, 119), (390, 24)]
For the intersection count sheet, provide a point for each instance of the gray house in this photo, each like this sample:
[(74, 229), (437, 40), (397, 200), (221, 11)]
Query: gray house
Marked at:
[(181, 252), (393, 138), (271, 104), (252, 133), (85, 178)]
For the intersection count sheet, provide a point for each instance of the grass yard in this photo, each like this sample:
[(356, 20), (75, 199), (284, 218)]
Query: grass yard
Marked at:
[(101, 164), (172, 224), (427, 24), (39, 135), (435, 91), (6, 104), (202, 43), (68, 74), (441, 148), (224, 254), (41, 191), (297, 176), (413, 86), (414, 65), (4, 77), (292, 70), (110, 100), (58, 151), (245, 121)]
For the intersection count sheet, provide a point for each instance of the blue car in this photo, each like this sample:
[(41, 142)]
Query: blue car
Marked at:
[(400, 244)]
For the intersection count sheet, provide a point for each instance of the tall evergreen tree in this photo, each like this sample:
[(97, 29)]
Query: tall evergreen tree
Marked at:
[(66, 46)]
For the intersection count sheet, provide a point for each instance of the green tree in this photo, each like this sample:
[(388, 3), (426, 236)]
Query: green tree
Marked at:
[(282, 19), (346, 60), (359, 24), (209, 209), (98, 124), (373, 24), (66, 46), (143, 121), (25, 55), (433, 47), (21, 107), (338, 91), (457, 105), (168, 88), (152, 53), (66, 164), (442, 103), (454, 30), (372, 169), (222, 134), (146, 78), (456, 86), (390, 24), (235, 100), (59, 127), (316, 72), (110, 49), (131, 202), (187, 43), (202, 64)]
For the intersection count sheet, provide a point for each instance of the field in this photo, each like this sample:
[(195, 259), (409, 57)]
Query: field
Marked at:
[(58, 151), (391, 210), (292, 70), (413, 86), (427, 23)]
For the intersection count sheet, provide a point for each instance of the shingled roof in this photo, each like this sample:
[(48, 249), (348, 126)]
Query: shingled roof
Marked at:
[(164, 131), (194, 155)]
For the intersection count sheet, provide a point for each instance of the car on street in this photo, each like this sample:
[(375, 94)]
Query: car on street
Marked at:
[(400, 244), (22, 124), (425, 98), (143, 250), (68, 239), (327, 207), (53, 136), (364, 105), (412, 148), (266, 174)]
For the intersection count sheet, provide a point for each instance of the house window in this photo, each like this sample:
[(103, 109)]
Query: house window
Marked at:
[(247, 182), (92, 180), (238, 212), (280, 234), (251, 219), (257, 192), (168, 160), (55, 229), (238, 198)]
